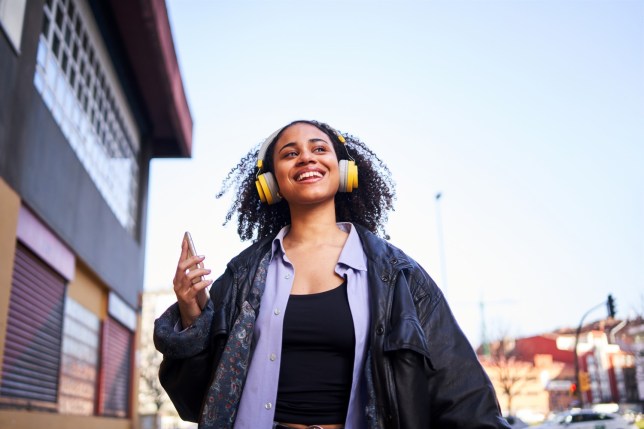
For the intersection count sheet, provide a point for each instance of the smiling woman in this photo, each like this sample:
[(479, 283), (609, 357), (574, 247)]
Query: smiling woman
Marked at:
[(320, 323), (369, 207), (306, 166)]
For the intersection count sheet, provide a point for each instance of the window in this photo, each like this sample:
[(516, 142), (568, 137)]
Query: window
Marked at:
[(12, 15), (78, 374), (76, 81), (32, 345)]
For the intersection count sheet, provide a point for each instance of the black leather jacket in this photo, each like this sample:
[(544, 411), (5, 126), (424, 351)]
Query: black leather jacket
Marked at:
[(422, 370)]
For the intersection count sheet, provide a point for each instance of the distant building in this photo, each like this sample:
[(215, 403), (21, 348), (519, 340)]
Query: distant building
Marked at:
[(90, 92), (521, 377), (537, 374), (155, 406)]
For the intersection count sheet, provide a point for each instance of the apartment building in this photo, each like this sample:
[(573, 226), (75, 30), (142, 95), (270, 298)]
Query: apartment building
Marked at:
[(90, 92)]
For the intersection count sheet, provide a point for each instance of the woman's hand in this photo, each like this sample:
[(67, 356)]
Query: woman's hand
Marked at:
[(188, 286)]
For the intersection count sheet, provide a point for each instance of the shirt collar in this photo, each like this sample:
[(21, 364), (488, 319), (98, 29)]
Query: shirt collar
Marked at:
[(352, 254), (278, 241)]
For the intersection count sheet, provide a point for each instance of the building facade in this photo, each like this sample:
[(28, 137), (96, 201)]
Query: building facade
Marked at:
[(536, 375), (90, 92), (155, 407)]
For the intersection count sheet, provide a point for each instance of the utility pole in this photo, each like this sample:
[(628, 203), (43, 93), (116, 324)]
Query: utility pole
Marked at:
[(441, 245), (485, 346), (485, 343), (610, 305)]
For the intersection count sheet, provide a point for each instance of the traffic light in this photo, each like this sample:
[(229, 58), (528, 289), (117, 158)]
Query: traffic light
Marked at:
[(584, 381), (573, 389), (610, 305)]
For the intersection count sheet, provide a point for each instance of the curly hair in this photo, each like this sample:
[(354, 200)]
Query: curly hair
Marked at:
[(368, 205)]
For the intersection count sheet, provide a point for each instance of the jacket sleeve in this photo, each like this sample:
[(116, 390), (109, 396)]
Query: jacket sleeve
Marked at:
[(190, 355), (458, 391), (187, 360)]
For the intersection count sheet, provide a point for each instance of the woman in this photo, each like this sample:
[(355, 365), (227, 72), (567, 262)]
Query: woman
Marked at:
[(319, 323)]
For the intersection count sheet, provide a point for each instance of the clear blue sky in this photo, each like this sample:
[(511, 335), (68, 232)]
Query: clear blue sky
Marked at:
[(528, 116)]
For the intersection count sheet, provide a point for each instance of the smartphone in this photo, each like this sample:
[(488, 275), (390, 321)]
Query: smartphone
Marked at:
[(191, 252)]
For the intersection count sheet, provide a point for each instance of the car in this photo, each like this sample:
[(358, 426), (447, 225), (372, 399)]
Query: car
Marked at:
[(586, 419), (515, 422)]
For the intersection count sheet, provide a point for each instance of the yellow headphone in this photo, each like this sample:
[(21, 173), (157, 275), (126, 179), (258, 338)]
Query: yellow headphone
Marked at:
[(267, 185)]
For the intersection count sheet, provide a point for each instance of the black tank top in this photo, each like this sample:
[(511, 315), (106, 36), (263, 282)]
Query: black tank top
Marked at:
[(318, 346)]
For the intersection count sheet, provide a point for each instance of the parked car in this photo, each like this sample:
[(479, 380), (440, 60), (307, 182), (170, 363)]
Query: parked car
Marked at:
[(587, 419), (516, 423)]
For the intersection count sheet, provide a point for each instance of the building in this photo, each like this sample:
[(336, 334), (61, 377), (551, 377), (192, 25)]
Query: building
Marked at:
[(522, 369), (607, 361), (155, 408), (90, 92), (537, 375)]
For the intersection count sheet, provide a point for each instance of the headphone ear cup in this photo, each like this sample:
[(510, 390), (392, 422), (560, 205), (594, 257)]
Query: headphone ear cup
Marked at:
[(348, 176), (352, 176), (260, 191), (342, 167), (267, 188)]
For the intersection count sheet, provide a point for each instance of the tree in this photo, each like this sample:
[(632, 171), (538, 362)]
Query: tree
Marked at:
[(150, 390), (153, 401), (509, 374)]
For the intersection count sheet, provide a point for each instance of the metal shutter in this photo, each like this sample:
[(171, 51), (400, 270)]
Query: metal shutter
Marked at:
[(116, 370), (79, 362), (34, 329)]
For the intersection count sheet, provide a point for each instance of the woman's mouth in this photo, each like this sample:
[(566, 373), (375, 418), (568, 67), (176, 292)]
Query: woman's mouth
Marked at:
[(308, 175)]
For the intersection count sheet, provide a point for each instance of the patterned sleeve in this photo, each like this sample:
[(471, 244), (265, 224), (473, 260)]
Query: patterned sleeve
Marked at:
[(189, 342)]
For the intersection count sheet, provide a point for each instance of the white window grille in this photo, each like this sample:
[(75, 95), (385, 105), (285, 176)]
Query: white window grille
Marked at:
[(75, 78)]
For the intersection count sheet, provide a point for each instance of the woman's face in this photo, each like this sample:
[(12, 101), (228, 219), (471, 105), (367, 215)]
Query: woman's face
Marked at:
[(305, 165)]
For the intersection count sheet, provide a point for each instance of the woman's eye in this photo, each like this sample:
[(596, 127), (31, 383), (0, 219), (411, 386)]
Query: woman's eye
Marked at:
[(319, 149), (290, 154)]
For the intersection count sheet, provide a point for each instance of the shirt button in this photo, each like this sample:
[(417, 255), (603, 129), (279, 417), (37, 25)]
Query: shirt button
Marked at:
[(276, 311), (268, 405), (272, 356), (288, 276)]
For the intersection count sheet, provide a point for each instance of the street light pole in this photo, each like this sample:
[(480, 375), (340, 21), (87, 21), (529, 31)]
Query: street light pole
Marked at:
[(441, 245), (580, 395)]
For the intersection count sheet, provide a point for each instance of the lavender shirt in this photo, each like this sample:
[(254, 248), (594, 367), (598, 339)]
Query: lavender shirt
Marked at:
[(257, 406)]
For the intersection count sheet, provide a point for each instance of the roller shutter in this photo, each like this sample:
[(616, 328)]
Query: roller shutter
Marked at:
[(116, 369), (32, 351)]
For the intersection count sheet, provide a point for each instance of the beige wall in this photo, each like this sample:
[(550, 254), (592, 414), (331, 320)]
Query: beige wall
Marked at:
[(529, 376), (9, 208), (88, 290), (30, 420), (85, 288)]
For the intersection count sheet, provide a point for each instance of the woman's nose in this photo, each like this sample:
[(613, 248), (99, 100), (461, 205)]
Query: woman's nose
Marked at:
[(305, 157)]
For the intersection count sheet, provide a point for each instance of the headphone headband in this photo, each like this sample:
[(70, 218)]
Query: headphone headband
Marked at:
[(264, 147), (266, 184)]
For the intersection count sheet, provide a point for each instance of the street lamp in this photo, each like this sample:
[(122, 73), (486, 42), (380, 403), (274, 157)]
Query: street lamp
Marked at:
[(441, 245), (610, 305)]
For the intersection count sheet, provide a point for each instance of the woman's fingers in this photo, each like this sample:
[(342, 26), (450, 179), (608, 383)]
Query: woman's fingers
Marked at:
[(202, 293), (192, 261), (191, 293), (184, 252), (197, 274), (180, 268), (191, 297), (199, 286), (190, 273)]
